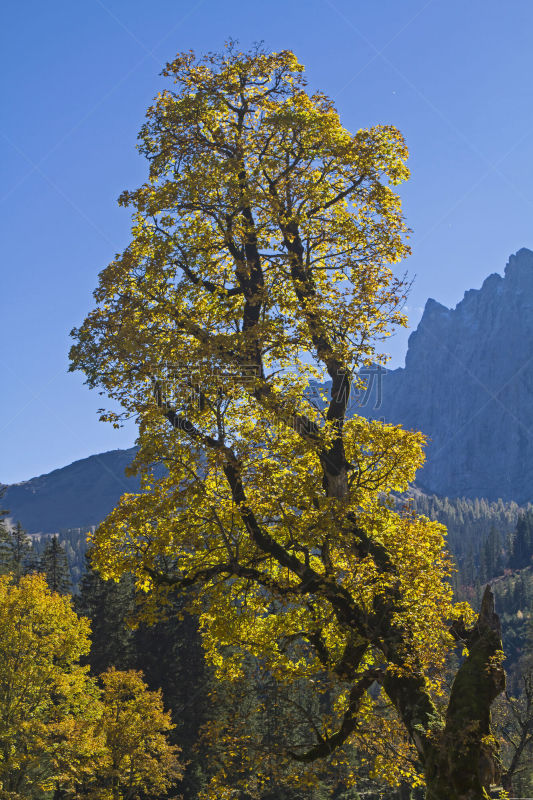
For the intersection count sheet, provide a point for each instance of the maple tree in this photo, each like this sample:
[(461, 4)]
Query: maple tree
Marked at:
[(137, 758), (260, 262), (59, 731), (48, 704)]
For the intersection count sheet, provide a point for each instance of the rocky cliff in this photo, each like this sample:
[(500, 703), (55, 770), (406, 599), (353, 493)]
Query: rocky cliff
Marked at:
[(468, 385)]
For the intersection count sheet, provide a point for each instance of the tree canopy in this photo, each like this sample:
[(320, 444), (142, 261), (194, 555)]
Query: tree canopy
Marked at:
[(46, 698), (59, 731), (260, 260), (137, 758)]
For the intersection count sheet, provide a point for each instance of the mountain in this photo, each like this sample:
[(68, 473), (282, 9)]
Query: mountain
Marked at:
[(468, 385), (79, 495)]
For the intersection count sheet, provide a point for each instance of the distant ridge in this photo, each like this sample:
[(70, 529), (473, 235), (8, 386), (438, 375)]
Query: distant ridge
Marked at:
[(78, 495)]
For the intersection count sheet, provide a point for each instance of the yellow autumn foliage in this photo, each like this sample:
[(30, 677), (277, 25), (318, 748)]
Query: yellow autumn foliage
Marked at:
[(260, 261)]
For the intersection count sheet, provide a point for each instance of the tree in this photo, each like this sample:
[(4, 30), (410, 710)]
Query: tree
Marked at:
[(109, 605), (522, 543), (47, 701), (492, 554), (169, 653), (54, 564), (16, 551), (515, 721), (260, 259), (138, 758)]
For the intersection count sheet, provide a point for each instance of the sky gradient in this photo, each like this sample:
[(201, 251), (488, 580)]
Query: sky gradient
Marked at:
[(455, 78)]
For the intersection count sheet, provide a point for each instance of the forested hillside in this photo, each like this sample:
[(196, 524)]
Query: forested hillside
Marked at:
[(480, 533)]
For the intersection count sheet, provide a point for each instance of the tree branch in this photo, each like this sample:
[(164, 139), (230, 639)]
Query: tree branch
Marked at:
[(328, 744)]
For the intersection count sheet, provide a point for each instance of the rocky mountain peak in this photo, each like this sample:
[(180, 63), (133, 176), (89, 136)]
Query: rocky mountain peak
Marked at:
[(519, 270), (468, 385)]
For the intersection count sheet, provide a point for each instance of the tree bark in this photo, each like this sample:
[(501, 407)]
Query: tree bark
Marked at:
[(464, 762)]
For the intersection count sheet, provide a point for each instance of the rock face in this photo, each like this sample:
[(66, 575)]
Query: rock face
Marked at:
[(79, 495), (468, 385)]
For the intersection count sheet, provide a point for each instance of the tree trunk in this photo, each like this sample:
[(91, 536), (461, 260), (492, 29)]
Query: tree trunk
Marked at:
[(405, 792), (464, 763)]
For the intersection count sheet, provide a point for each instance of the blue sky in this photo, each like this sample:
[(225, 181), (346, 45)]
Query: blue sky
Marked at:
[(455, 77)]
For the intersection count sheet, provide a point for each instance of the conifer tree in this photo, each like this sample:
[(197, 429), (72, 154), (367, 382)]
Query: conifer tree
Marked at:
[(54, 564), (169, 653), (522, 542), (492, 555), (17, 556), (108, 605)]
